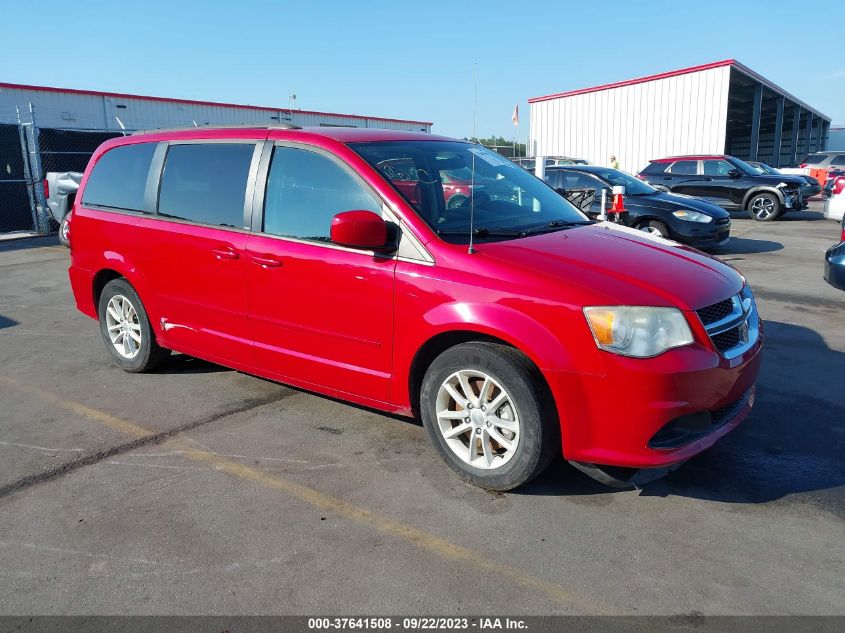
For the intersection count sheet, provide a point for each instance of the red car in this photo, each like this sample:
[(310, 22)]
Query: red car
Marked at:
[(516, 327)]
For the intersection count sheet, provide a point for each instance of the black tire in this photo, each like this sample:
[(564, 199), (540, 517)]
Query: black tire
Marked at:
[(655, 226), (149, 354), (765, 207), (63, 228), (539, 430)]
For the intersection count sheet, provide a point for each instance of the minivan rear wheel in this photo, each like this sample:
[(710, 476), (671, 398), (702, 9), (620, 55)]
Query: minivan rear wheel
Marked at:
[(487, 414), (765, 207), (126, 329)]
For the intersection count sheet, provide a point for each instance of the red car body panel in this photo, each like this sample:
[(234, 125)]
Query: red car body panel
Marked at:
[(349, 324)]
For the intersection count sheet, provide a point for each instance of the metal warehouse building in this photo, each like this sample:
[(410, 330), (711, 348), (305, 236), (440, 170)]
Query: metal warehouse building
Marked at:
[(718, 108), (56, 129)]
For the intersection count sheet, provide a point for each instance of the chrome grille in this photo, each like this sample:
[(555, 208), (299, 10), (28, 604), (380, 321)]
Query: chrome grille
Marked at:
[(716, 312), (732, 323)]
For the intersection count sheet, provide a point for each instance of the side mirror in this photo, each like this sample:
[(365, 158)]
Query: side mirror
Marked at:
[(359, 229), (734, 173)]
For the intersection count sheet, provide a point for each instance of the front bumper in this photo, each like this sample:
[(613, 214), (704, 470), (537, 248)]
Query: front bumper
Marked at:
[(612, 419), (792, 199), (698, 234), (834, 266)]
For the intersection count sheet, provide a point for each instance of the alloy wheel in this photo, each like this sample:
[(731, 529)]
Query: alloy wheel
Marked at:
[(123, 326), (478, 419), (763, 207)]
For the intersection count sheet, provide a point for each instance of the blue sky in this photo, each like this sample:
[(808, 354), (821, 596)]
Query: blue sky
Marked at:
[(411, 59)]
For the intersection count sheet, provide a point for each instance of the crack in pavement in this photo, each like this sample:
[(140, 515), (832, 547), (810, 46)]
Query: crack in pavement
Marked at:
[(145, 437)]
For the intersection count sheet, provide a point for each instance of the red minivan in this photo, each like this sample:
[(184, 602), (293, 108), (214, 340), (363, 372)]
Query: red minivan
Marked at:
[(516, 327)]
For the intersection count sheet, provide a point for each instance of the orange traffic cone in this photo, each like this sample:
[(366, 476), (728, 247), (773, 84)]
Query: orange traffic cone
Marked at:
[(618, 207)]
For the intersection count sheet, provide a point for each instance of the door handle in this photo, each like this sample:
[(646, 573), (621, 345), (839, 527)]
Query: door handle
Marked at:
[(266, 261), (225, 252)]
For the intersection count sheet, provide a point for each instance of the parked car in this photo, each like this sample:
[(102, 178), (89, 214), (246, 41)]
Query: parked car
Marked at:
[(833, 179), (551, 161), (516, 327), (60, 189), (681, 218), (810, 188), (727, 181), (824, 160), (834, 265)]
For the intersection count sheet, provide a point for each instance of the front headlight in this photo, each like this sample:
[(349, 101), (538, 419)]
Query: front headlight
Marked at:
[(692, 216), (638, 331)]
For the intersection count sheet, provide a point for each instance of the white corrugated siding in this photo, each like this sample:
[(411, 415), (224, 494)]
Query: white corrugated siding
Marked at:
[(55, 109), (684, 114)]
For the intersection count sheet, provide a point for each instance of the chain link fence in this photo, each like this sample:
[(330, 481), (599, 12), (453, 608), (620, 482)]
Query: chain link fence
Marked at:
[(27, 153)]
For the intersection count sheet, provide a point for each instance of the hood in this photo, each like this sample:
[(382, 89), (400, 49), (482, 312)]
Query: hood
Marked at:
[(673, 201), (775, 179), (619, 265)]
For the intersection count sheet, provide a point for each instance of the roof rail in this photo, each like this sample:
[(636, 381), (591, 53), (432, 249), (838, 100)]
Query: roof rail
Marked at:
[(224, 126)]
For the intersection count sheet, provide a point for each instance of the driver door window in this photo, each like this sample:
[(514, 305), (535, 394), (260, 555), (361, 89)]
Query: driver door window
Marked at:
[(305, 190), (719, 168)]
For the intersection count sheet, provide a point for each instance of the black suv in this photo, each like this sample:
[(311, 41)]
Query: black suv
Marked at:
[(727, 181)]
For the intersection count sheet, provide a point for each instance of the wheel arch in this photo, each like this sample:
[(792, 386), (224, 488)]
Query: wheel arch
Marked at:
[(119, 269), (440, 342), (758, 190)]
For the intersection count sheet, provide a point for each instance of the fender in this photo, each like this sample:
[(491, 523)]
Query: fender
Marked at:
[(511, 325), (538, 343), (761, 189)]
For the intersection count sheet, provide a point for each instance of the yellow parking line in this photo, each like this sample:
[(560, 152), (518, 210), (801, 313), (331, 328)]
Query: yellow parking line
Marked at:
[(420, 538)]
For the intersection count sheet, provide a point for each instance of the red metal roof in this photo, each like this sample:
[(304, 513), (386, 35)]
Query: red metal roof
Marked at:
[(638, 80), (684, 71), (672, 159), (124, 95)]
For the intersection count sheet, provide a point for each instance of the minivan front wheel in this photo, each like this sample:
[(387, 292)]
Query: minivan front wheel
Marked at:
[(126, 329), (764, 207), (486, 414)]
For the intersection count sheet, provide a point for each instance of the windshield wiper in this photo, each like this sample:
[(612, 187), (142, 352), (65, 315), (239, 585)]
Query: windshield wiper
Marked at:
[(556, 224), (484, 231)]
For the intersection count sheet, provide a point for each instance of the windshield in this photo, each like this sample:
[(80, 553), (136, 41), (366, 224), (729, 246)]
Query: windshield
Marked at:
[(444, 180), (743, 166), (616, 178), (763, 168)]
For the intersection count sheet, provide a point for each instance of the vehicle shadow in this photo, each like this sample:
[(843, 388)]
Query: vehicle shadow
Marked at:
[(182, 364), (26, 243), (805, 215), (745, 246), (791, 444), (7, 322)]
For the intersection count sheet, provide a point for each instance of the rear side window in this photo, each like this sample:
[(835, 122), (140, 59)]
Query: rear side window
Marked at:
[(655, 168), (119, 178), (684, 167), (838, 160), (305, 190), (206, 183)]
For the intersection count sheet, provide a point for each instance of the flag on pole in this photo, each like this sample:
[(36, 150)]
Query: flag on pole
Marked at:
[(515, 117)]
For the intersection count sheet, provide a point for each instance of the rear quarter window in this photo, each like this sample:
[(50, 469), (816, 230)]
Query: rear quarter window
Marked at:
[(654, 168), (814, 159), (838, 160), (119, 178)]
